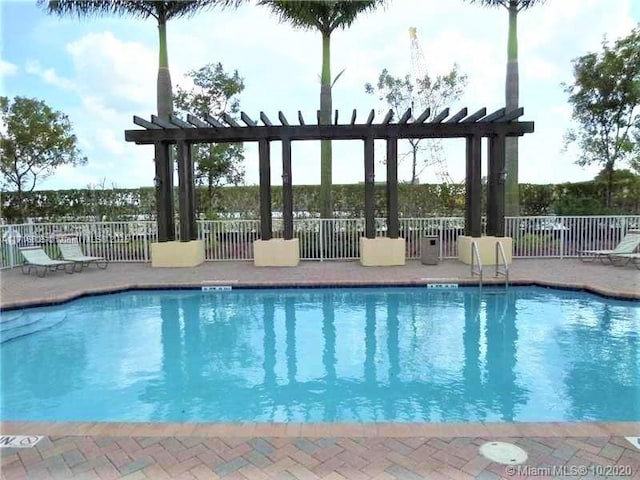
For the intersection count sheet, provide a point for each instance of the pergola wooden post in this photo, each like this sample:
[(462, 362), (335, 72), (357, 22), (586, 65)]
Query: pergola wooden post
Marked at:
[(264, 153), (187, 199), (392, 188), (473, 187), (496, 176), (369, 189), (164, 193), (287, 189)]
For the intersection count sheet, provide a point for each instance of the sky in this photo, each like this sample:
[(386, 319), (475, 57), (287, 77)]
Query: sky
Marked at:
[(101, 72)]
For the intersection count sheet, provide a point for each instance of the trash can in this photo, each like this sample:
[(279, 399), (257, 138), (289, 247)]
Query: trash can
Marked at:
[(429, 250)]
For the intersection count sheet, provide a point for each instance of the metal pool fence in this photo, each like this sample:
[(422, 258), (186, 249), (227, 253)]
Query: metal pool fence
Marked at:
[(320, 239)]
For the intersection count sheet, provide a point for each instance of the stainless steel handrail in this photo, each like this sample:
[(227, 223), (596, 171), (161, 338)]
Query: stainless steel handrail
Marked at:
[(500, 255), (475, 255)]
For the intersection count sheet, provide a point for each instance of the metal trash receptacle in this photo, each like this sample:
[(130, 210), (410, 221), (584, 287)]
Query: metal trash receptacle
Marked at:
[(429, 250)]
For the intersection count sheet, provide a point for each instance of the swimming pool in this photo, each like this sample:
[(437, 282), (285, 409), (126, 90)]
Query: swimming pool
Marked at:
[(324, 355)]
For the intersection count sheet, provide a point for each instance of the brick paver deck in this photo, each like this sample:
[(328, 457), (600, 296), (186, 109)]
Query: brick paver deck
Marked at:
[(314, 451), (301, 458)]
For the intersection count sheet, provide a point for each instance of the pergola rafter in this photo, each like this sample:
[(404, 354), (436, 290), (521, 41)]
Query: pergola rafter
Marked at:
[(495, 126)]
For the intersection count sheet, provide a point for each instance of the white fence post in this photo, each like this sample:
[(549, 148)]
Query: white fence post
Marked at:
[(145, 241), (321, 233), (10, 235)]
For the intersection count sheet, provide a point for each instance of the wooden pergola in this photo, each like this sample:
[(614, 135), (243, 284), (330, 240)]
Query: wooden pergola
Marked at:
[(473, 127)]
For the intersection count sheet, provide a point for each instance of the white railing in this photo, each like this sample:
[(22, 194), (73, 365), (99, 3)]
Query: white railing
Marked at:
[(565, 236), (116, 241), (320, 239)]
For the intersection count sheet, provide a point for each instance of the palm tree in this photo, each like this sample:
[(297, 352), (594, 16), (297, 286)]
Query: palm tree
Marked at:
[(512, 85), (324, 16), (161, 10)]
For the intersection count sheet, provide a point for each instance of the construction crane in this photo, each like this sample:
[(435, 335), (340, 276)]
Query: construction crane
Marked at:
[(420, 103)]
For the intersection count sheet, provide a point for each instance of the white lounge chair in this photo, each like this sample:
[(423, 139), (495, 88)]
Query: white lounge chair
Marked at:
[(627, 246), (627, 257), (72, 252), (35, 257)]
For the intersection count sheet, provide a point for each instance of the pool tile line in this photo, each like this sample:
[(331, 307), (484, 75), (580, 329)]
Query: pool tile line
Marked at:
[(462, 283)]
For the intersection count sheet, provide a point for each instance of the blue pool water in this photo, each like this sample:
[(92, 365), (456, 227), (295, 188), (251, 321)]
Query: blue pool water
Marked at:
[(324, 355)]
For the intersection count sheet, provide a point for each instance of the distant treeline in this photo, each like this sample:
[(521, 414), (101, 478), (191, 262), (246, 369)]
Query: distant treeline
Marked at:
[(427, 200)]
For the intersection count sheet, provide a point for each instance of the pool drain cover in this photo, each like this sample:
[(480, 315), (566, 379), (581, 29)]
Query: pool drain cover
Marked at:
[(504, 453)]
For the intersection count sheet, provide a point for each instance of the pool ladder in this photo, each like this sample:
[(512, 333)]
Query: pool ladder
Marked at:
[(502, 266)]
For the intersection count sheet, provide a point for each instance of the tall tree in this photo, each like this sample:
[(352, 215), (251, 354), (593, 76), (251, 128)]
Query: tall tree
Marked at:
[(214, 92), (324, 16), (161, 10), (511, 93), (34, 141), (402, 93), (605, 97)]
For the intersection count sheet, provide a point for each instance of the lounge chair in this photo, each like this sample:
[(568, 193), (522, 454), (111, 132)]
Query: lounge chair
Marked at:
[(627, 246), (73, 253), (627, 257), (35, 257)]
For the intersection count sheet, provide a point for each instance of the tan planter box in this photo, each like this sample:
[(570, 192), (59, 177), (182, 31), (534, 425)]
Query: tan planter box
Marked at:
[(382, 251), (177, 254), (276, 252)]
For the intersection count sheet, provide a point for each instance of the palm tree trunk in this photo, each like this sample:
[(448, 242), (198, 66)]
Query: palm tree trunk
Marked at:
[(512, 198), (164, 173), (164, 93), (326, 207)]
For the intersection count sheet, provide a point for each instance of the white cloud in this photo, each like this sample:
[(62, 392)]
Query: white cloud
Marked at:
[(48, 75), (113, 69), (7, 68), (110, 141), (112, 79)]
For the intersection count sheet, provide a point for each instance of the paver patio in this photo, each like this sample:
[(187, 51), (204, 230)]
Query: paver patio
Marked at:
[(242, 458), (313, 451)]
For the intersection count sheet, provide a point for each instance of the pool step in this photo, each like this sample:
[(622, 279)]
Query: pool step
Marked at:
[(16, 321), (9, 320), (30, 323), (10, 316)]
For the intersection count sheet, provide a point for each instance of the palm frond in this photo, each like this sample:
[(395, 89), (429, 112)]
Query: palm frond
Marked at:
[(300, 14), (347, 11), (89, 8), (324, 15), (491, 3), (134, 8), (524, 4), (337, 77), (520, 4)]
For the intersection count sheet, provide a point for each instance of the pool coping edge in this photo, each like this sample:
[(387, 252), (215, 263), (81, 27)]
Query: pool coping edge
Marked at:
[(319, 430), (107, 290)]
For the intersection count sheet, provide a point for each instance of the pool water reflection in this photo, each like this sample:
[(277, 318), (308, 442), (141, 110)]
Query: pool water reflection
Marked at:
[(327, 355)]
